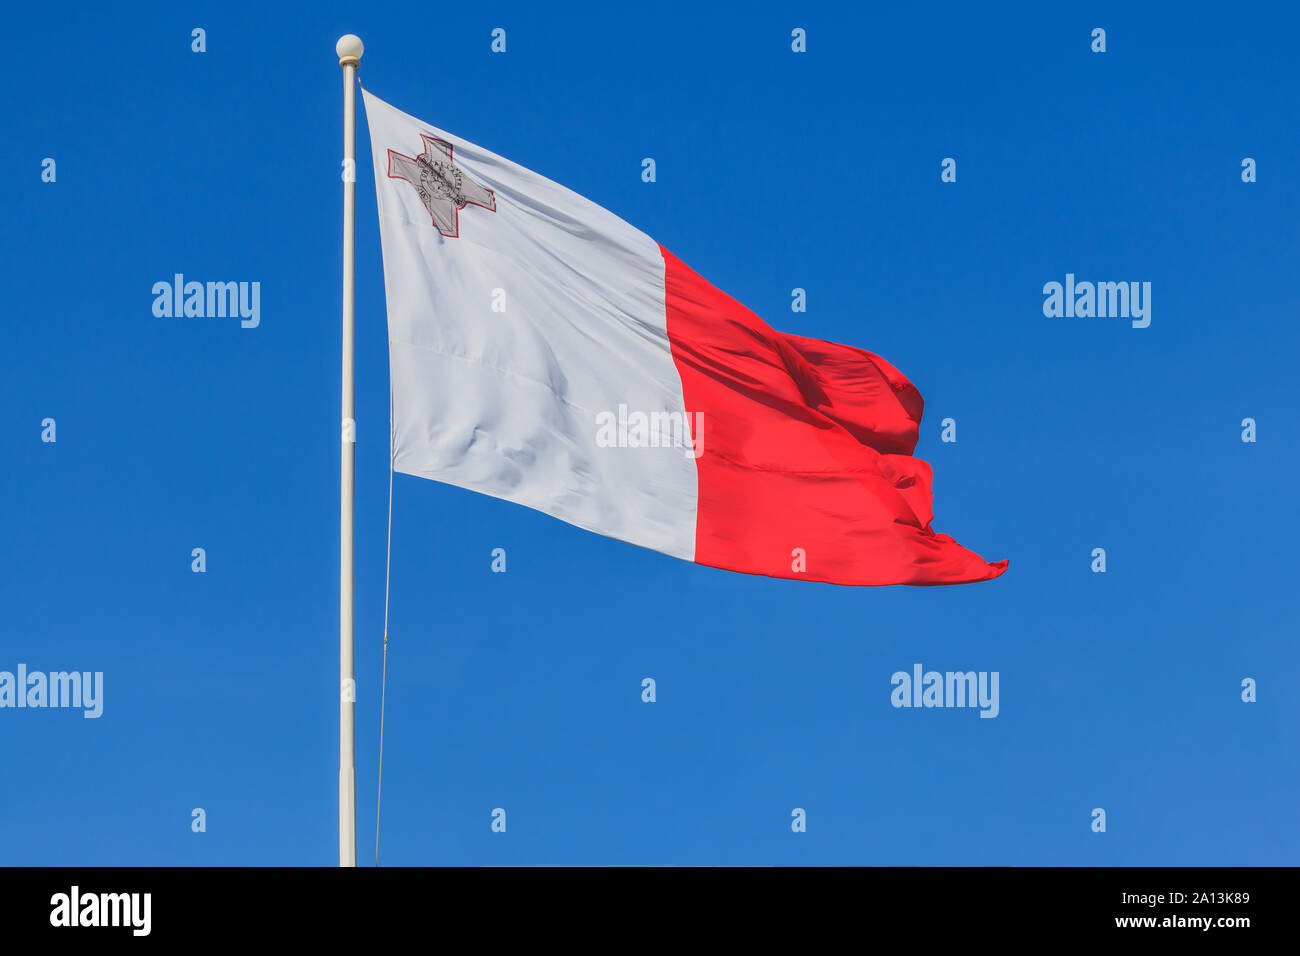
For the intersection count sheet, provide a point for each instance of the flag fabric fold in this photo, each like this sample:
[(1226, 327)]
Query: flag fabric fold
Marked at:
[(544, 351)]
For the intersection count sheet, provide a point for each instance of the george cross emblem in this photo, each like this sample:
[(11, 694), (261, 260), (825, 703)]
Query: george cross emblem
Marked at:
[(443, 188)]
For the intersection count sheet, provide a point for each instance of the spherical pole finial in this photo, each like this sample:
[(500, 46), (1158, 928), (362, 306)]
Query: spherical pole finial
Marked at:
[(349, 48)]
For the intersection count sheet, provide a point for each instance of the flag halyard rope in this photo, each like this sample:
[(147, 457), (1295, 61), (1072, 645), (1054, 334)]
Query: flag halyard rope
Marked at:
[(388, 566)]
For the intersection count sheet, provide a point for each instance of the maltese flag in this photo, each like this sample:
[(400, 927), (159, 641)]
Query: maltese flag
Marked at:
[(543, 351)]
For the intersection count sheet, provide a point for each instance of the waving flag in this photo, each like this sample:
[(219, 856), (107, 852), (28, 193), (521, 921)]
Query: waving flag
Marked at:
[(544, 351)]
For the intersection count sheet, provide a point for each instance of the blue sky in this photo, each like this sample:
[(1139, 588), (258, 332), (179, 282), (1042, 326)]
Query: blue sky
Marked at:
[(521, 690)]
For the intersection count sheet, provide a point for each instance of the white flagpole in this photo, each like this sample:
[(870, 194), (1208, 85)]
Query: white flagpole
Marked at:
[(349, 50)]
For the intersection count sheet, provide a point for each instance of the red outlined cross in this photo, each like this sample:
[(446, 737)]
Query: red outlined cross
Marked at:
[(443, 187)]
